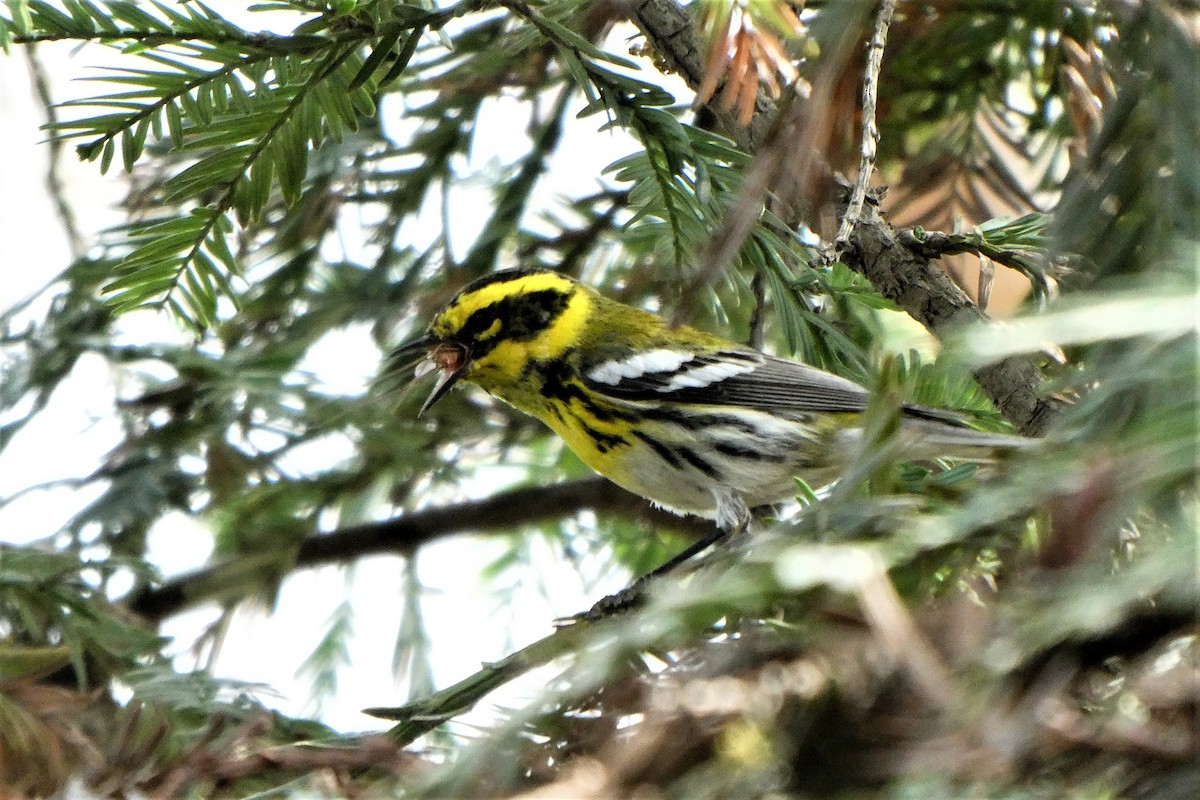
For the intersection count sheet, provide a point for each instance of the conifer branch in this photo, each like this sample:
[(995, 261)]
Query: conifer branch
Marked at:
[(407, 533)]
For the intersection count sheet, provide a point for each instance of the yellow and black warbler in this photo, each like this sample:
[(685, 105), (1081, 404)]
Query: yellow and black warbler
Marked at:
[(696, 423)]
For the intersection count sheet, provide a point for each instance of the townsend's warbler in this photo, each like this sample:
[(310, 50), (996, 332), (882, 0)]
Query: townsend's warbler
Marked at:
[(691, 421)]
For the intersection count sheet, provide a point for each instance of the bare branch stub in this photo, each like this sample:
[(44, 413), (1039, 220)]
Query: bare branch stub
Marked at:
[(870, 128)]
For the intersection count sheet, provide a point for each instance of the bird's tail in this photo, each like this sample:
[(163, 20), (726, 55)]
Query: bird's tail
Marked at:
[(942, 429)]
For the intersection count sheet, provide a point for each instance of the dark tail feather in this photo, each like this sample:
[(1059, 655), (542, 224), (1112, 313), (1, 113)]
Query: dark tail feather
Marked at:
[(944, 429)]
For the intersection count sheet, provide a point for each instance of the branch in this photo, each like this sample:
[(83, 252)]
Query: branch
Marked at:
[(349, 30), (1032, 262), (54, 181), (870, 129), (671, 29), (422, 716), (895, 270), (305, 758), (404, 534), (908, 278)]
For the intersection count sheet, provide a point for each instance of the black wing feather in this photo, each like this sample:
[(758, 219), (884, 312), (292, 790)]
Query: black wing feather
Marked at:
[(772, 384)]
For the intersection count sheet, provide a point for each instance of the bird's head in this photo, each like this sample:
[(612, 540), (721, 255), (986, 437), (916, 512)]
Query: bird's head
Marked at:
[(497, 326)]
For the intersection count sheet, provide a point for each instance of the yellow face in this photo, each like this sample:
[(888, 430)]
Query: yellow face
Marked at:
[(498, 325)]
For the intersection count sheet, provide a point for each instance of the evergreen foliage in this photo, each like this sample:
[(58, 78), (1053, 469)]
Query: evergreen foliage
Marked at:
[(1021, 630)]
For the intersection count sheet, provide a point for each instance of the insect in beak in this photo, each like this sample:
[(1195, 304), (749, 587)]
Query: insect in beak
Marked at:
[(449, 357)]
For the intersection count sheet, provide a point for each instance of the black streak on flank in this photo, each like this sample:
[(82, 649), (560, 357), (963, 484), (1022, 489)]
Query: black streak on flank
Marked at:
[(734, 450), (604, 441), (690, 456), (696, 420), (664, 452), (675, 456)]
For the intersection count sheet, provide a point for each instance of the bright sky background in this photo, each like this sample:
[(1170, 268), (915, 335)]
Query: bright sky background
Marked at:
[(72, 437)]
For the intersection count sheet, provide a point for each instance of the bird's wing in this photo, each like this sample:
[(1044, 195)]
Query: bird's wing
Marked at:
[(731, 377)]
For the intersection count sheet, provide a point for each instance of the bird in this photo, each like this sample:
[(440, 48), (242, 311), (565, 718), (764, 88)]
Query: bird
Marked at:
[(695, 423)]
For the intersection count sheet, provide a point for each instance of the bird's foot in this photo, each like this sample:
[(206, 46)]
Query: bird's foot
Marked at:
[(627, 599)]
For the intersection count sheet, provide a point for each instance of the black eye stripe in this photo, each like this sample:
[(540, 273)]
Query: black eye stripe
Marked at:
[(522, 318), (479, 322)]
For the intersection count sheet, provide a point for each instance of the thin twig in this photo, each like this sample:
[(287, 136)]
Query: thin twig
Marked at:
[(758, 318), (58, 483), (870, 129), (889, 618), (788, 163), (421, 716), (372, 752), (1028, 261), (513, 197), (54, 182)]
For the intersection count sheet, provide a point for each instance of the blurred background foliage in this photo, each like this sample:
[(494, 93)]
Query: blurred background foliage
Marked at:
[(308, 192)]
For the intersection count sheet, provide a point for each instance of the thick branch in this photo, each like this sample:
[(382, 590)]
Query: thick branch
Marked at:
[(504, 511), (672, 31), (910, 280)]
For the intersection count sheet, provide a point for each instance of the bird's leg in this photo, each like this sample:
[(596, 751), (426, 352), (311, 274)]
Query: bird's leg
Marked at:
[(733, 520)]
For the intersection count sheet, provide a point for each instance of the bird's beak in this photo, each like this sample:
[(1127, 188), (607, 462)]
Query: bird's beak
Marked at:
[(451, 358)]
